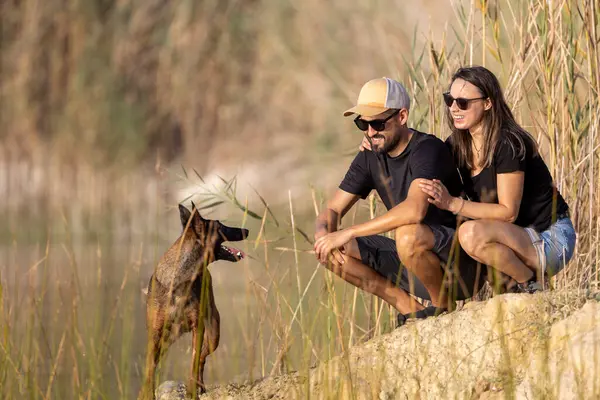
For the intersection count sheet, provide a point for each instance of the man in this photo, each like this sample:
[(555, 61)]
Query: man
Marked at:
[(424, 234)]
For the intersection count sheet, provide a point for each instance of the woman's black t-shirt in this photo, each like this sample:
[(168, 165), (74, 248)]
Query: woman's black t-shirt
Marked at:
[(541, 200)]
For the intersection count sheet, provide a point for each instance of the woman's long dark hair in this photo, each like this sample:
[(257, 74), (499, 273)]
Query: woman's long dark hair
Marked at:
[(498, 122)]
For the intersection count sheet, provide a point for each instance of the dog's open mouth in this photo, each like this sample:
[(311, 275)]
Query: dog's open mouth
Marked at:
[(230, 253)]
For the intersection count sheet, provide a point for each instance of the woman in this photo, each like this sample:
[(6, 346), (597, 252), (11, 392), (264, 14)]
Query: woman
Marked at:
[(519, 223)]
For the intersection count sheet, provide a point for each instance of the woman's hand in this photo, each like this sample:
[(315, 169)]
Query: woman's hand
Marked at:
[(325, 245), (365, 144), (439, 195)]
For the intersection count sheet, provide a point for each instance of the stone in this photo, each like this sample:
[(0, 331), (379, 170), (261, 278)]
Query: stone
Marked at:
[(569, 366), (171, 390)]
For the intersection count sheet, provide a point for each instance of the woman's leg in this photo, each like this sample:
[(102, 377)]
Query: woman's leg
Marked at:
[(502, 245)]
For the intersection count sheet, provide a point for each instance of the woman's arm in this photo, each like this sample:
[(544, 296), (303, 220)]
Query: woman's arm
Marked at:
[(510, 193), (410, 211)]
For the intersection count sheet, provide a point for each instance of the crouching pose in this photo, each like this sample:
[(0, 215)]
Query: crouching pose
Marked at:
[(520, 222), (423, 252)]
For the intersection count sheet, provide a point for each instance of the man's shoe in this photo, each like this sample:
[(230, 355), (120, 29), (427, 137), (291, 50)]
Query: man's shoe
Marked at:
[(431, 311)]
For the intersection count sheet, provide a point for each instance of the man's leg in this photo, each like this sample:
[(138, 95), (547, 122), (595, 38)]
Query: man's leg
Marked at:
[(415, 244), (355, 272)]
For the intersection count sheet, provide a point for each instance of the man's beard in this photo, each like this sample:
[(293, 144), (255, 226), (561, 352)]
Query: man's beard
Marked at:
[(389, 143)]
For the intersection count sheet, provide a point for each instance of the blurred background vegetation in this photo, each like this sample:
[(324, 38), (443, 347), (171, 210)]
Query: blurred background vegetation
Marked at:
[(112, 111), (119, 87)]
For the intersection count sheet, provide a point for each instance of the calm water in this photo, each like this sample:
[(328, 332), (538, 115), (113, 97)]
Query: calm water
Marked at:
[(76, 314)]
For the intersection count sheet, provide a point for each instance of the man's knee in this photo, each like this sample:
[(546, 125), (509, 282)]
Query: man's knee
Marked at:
[(351, 249), (412, 240), (472, 236)]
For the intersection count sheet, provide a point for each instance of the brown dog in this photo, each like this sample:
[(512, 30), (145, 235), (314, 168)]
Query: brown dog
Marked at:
[(180, 295)]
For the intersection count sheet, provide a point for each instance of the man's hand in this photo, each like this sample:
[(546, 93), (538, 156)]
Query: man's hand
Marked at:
[(332, 243), (336, 257), (328, 221)]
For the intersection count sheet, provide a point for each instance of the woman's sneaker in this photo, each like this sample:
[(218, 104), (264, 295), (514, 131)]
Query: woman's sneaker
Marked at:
[(531, 286)]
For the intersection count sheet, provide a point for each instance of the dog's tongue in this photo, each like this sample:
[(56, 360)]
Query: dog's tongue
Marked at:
[(236, 252)]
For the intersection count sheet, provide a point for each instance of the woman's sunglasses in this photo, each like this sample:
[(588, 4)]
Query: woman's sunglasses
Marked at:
[(462, 103), (377, 124)]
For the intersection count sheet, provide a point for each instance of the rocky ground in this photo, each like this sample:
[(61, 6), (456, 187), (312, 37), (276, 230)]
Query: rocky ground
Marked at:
[(524, 346)]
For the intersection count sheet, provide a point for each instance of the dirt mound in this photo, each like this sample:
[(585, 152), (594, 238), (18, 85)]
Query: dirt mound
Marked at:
[(531, 346)]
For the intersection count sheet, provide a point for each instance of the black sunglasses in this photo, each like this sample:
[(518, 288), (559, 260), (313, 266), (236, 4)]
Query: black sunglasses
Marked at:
[(462, 103), (377, 124)]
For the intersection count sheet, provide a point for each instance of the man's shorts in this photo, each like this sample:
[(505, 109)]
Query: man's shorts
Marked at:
[(380, 253)]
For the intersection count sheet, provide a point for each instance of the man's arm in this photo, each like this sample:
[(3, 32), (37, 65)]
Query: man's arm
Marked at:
[(411, 211), (329, 219)]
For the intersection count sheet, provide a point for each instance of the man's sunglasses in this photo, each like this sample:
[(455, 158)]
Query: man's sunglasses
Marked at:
[(377, 124), (462, 103)]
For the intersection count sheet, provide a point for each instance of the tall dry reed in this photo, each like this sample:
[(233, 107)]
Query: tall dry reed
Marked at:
[(95, 94)]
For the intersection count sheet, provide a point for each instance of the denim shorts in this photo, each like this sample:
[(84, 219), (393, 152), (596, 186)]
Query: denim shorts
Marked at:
[(554, 246), (380, 253)]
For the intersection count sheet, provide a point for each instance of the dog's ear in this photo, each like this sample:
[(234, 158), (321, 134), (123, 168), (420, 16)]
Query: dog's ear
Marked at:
[(198, 222), (184, 215), (196, 212)]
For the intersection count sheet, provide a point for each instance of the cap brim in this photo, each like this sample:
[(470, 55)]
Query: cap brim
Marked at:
[(365, 111)]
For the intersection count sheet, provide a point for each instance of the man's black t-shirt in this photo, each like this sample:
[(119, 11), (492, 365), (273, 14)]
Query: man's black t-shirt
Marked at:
[(425, 156), (539, 192)]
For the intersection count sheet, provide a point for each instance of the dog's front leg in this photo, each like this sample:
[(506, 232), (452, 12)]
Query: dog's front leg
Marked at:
[(212, 331), (210, 343), (196, 385)]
